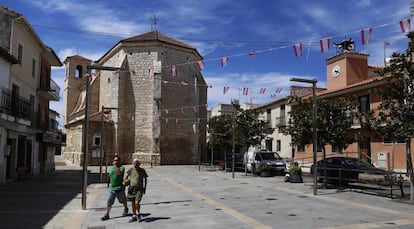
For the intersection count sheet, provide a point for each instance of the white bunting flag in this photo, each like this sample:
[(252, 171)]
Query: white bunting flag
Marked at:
[(200, 64), (325, 44), (224, 61)]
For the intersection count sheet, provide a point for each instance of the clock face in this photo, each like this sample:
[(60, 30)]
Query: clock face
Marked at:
[(336, 70)]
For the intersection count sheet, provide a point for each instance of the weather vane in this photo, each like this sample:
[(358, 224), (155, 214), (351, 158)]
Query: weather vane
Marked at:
[(154, 19), (345, 45)]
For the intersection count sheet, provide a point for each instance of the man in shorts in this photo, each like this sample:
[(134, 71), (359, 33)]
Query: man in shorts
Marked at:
[(116, 187), (136, 189)]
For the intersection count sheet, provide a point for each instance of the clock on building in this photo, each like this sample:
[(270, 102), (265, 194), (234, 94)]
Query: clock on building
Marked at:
[(336, 70)]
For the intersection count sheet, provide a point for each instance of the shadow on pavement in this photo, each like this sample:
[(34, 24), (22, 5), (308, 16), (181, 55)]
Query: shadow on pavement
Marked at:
[(33, 202)]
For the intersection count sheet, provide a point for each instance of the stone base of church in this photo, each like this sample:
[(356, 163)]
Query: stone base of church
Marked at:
[(147, 158)]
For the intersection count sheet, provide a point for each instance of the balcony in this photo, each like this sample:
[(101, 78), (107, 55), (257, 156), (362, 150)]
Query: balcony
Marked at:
[(281, 121), (17, 106), (51, 93)]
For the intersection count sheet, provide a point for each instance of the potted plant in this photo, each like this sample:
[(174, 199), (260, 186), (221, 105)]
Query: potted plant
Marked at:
[(295, 173), (265, 170)]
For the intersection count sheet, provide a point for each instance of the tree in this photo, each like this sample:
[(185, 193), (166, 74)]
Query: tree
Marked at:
[(396, 117), (334, 122), (249, 130)]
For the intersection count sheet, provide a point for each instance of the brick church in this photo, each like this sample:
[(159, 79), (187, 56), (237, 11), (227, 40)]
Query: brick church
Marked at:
[(153, 108)]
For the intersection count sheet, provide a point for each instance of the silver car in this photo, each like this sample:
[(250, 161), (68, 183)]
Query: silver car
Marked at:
[(274, 162)]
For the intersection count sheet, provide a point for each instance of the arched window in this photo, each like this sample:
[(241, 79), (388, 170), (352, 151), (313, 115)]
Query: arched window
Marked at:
[(79, 72)]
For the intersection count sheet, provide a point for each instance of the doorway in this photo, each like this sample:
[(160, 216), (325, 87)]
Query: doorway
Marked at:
[(365, 150)]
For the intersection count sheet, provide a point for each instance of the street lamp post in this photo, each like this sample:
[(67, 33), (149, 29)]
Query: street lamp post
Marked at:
[(315, 135), (101, 148), (89, 68), (233, 146)]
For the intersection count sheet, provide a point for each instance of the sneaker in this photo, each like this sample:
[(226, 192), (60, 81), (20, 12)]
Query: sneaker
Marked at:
[(133, 219), (105, 217), (139, 218), (125, 213)]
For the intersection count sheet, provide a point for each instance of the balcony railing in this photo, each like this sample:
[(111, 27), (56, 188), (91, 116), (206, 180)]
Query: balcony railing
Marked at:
[(18, 106), (51, 93), (281, 121)]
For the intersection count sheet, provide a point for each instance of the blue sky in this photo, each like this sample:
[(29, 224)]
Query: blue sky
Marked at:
[(219, 28)]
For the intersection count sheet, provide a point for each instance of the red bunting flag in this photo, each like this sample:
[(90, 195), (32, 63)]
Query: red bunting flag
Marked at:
[(245, 91), (278, 90), (405, 25), (225, 89), (173, 70), (224, 61), (325, 44), (366, 35), (297, 48)]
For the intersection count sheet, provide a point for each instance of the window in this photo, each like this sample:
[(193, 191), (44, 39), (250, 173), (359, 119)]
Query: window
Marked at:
[(364, 104), (337, 149), (33, 67), (96, 140), (389, 141), (79, 72), (20, 54), (301, 148), (278, 145), (268, 115)]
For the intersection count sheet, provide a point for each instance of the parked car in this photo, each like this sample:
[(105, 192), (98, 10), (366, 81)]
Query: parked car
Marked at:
[(345, 169), (238, 162), (272, 160)]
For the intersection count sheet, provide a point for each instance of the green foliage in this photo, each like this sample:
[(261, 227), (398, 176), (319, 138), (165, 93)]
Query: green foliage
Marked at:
[(295, 170), (396, 111), (248, 129), (334, 122)]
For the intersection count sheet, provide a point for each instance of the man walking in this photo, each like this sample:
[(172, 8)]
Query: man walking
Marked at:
[(116, 188), (137, 187)]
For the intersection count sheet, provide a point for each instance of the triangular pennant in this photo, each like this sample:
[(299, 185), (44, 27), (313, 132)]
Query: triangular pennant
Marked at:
[(173, 70), (366, 35), (325, 44), (224, 61), (405, 25), (297, 48), (200, 64)]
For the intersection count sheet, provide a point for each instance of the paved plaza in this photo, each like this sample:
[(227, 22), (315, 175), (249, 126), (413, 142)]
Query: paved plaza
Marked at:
[(184, 197)]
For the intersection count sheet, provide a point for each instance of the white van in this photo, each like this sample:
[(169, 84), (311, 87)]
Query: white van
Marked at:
[(272, 159)]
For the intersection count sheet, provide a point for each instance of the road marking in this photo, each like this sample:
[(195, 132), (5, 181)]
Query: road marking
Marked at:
[(236, 214)]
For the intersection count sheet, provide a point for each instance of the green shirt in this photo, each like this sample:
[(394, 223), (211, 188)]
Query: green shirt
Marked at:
[(115, 180), (137, 178)]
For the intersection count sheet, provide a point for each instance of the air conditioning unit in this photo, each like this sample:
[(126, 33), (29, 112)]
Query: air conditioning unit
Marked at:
[(383, 160)]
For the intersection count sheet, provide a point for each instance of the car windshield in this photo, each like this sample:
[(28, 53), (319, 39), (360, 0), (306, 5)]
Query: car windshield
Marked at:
[(355, 163), (270, 156)]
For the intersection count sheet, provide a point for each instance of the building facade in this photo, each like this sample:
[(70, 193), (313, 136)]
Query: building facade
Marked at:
[(277, 114), (26, 90), (153, 108), (348, 73)]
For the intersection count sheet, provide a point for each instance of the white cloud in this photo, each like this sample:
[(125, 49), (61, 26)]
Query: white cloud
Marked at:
[(237, 81)]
